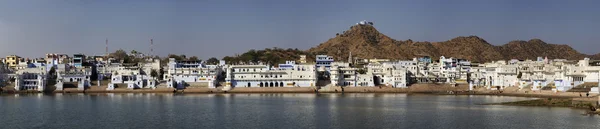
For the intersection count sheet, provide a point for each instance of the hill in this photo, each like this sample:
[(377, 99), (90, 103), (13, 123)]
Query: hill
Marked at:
[(364, 41)]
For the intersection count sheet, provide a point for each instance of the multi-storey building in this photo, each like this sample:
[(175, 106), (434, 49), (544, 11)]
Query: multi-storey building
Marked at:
[(323, 62), (31, 78), (78, 60), (67, 77), (53, 59), (131, 76), (181, 74), (344, 75), (290, 75), (388, 73), (12, 61)]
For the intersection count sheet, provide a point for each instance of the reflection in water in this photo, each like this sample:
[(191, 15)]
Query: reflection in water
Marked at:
[(165, 110)]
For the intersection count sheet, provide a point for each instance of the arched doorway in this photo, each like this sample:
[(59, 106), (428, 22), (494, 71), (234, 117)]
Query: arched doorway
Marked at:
[(281, 84), (248, 84), (261, 84), (271, 85), (276, 84)]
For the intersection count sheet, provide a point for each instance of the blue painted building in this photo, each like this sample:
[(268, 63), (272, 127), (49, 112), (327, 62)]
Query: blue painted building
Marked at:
[(425, 59), (78, 60), (324, 61), (287, 65)]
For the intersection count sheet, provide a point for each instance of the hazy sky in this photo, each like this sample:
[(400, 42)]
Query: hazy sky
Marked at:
[(206, 28)]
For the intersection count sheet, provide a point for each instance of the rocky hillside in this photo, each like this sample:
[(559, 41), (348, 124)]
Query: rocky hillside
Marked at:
[(365, 41), (535, 47)]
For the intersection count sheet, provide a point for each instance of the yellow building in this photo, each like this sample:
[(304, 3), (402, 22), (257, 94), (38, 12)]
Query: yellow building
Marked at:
[(12, 61), (302, 59), (378, 60)]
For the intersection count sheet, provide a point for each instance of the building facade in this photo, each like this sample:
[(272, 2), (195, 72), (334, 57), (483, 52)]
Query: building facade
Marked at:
[(131, 76), (181, 74), (32, 78), (12, 61), (287, 75)]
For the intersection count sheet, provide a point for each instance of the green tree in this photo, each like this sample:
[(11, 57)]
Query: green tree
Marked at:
[(153, 73), (212, 61), (120, 55), (134, 52), (229, 59), (177, 57), (194, 58), (161, 73), (52, 75)]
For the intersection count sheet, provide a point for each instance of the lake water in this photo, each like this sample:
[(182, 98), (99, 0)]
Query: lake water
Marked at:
[(263, 111)]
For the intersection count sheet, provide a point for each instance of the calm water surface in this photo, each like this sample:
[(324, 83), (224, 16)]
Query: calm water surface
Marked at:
[(280, 111)]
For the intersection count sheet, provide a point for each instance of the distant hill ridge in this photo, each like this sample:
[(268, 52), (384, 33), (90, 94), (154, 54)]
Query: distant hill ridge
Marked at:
[(364, 41)]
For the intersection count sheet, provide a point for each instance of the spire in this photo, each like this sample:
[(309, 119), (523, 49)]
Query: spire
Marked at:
[(350, 58), (106, 49), (151, 47)]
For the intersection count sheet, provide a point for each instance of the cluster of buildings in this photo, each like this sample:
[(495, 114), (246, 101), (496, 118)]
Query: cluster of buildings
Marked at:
[(77, 71), (183, 73), (74, 72), (559, 74)]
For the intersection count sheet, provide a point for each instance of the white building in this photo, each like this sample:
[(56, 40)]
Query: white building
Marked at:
[(558, 75), (181, 74), (131, 76), (454, 70), (151, 65), (364, 22), (53, 58), (290, 75), (31, 78), (75, 77), (499, 75), (477, 76), (323, 62), (344, 75), (389, 73)]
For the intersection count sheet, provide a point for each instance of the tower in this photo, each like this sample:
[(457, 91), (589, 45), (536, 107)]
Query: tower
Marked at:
[(151, 48), (106, 49), (350, 58)]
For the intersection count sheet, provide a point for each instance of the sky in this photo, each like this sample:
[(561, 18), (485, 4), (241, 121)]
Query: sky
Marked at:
[(218, 28)]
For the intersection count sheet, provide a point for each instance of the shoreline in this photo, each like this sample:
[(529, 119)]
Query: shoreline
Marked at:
[(304, 90), (433, 89), (543, 98)]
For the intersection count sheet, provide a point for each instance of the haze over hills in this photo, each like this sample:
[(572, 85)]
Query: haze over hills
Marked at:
[(364, 41)]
